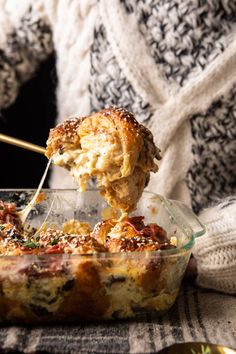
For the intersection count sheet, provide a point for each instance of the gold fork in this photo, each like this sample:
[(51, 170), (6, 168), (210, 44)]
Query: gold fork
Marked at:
[(23, 214), (22, 144)]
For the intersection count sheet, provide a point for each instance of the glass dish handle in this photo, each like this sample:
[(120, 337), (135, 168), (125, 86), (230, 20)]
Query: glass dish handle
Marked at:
[(187, 217)]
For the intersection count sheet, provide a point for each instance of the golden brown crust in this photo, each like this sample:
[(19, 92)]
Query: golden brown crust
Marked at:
[(111, 146), (133, 244), (56, 241), (63, 136)]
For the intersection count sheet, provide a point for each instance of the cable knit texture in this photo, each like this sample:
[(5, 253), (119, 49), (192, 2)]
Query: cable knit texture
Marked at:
[(216, 251), (25, 42), (173, 64)]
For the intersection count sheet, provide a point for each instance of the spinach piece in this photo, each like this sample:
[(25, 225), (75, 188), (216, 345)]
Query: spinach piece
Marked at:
[(31, 244)]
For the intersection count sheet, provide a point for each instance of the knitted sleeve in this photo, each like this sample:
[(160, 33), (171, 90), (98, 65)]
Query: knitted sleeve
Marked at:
[(215, 252), (25, 40)]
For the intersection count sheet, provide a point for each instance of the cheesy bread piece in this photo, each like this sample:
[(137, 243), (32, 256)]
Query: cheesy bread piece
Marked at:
[(110, 146)]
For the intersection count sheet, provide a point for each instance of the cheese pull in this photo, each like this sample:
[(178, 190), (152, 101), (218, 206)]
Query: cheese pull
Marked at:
[(23, 214)]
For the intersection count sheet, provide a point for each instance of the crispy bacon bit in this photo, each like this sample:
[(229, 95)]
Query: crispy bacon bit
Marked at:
[(8, 214), (54, 249), (155, 232), (136, 222)]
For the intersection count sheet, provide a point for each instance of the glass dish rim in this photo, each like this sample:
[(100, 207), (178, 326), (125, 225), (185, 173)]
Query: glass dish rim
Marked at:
[(169, 252)]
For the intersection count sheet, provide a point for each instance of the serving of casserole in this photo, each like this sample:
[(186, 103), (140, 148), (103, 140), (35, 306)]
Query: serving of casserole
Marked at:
[(74, 260)]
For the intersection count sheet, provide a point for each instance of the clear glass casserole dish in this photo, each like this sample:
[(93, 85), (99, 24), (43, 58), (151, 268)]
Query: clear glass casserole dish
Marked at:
[(102, 286)]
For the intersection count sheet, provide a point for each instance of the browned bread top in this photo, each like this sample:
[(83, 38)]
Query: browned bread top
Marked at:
[(63, 136), (56, 241)]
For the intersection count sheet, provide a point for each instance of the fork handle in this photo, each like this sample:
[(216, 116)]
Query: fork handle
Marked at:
[(22, 144)]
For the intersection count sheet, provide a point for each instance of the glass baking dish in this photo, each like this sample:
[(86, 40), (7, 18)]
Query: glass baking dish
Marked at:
[(102, 286)]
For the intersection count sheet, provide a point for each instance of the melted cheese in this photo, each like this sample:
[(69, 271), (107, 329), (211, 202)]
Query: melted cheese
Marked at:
[(99, 156), (23, 214)]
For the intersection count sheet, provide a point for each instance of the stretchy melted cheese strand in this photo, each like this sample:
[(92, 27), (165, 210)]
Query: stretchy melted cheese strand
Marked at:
[(43, 225), (23, 214)]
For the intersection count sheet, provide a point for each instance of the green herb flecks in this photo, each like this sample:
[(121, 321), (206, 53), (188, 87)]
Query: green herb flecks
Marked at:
[(54, 242), (29, 244)]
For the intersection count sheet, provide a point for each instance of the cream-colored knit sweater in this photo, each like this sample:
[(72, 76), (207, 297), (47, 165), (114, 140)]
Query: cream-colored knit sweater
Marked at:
[(173, 64)]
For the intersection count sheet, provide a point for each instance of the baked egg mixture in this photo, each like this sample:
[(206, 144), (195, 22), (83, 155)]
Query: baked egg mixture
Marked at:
[(114, 270)]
